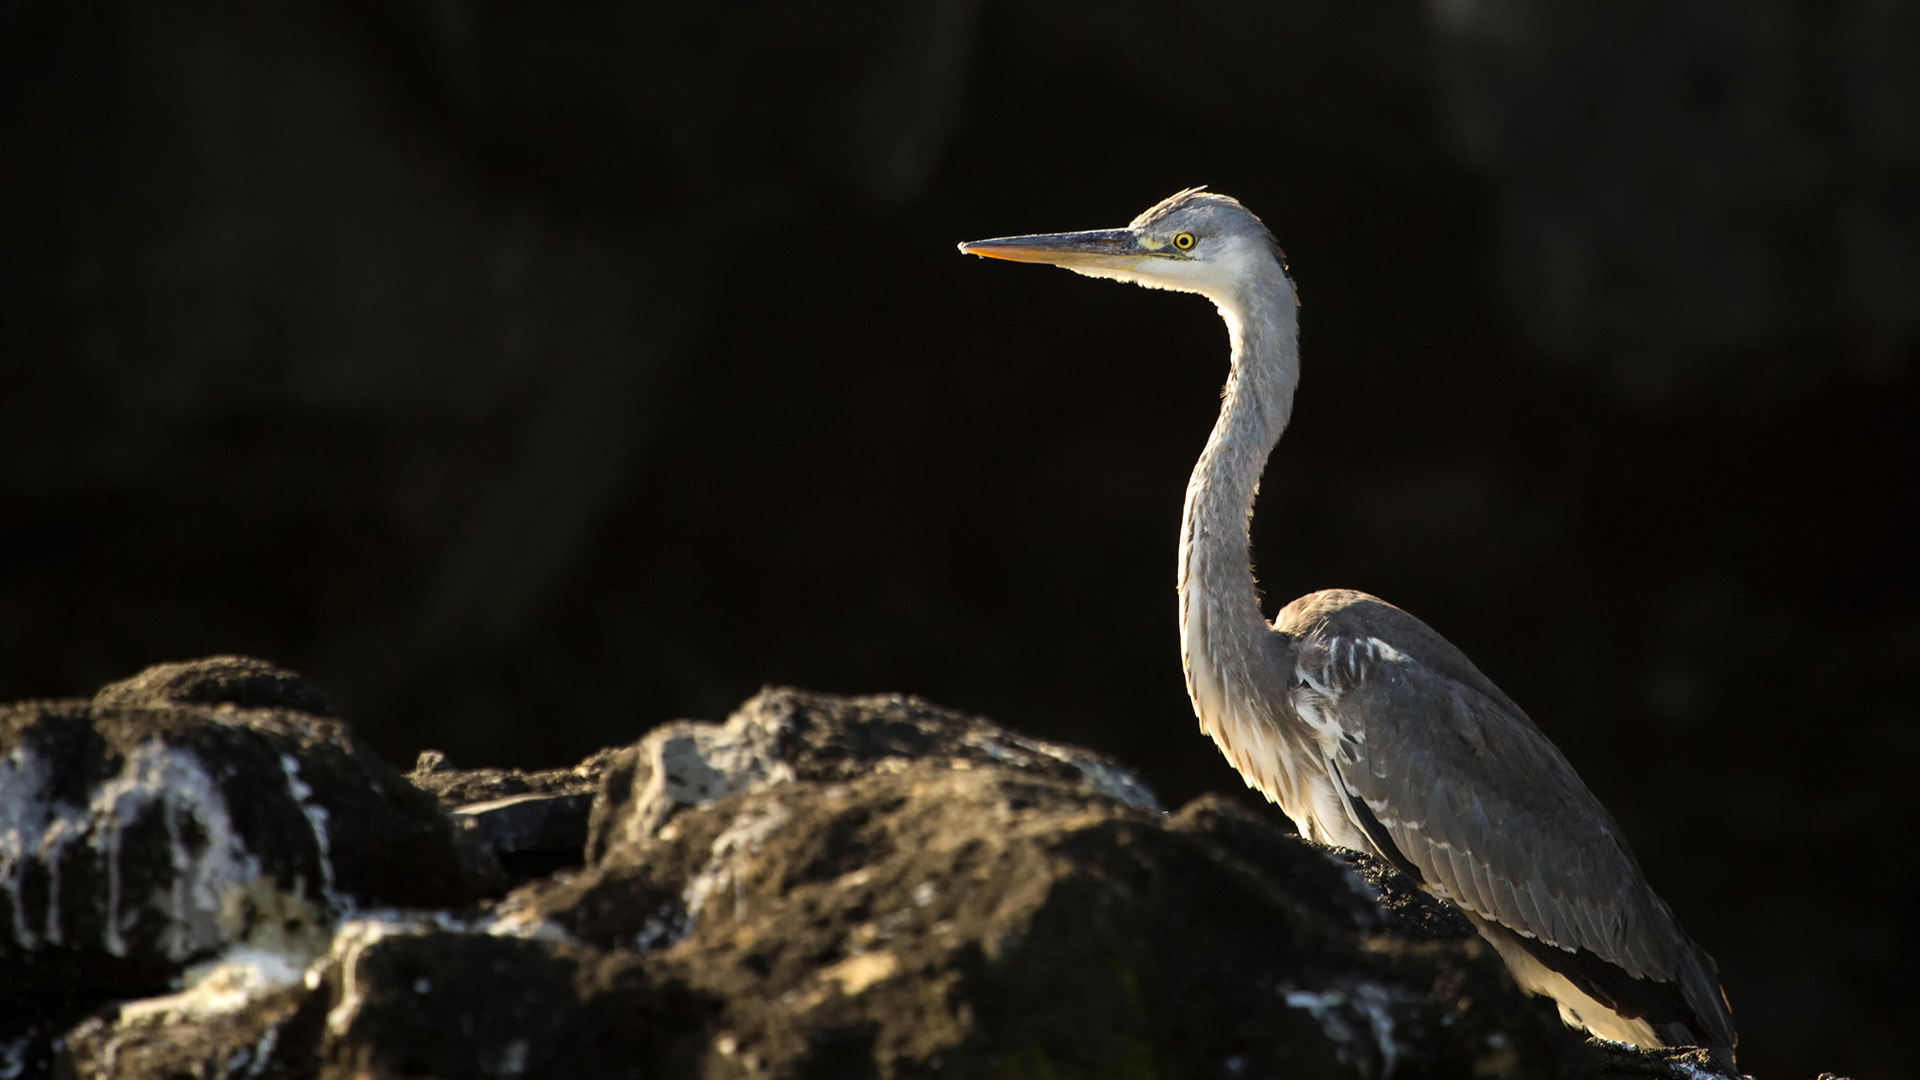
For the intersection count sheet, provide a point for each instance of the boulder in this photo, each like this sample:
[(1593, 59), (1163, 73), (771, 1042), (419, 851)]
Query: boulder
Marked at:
[(987, 921), (781, 736), (190, 810), (407, 998), (818, 887)]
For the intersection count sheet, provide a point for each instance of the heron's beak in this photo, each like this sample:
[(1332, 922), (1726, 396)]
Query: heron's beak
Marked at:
[(1105, 249)]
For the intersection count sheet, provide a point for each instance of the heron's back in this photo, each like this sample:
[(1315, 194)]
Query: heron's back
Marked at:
[(1447, 777)]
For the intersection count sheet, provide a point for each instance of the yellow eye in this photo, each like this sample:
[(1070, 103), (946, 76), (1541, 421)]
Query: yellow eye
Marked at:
[(1183, 241)]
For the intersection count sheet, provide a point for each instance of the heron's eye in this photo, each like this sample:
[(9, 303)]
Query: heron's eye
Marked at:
[(1184, 241)]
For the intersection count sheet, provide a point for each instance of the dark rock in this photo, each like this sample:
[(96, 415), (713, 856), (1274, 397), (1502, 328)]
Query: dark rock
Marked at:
[(531, 835), (396, 998), (841, 888), (217, 680), (1389, 899), (457, 1005), (462, 787), (1623, 1062), (165, 821), (1407, 911), (782, 735), (929, 920), (480, 866), (515, 825), (520, 823), (273, 1034)]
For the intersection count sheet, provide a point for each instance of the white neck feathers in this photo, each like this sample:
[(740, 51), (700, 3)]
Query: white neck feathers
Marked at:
[(1223, 633)]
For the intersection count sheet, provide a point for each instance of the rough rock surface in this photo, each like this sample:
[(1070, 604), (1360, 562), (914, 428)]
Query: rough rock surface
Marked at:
[(819, 887), (463, 787), (191, 809), (515, 825), (781, 736)]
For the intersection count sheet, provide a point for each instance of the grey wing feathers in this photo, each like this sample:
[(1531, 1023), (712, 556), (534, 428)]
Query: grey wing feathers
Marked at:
[(1486, 807), (1429, 753)]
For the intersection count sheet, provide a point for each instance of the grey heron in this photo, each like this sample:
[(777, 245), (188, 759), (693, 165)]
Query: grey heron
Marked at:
[(1368, 728)]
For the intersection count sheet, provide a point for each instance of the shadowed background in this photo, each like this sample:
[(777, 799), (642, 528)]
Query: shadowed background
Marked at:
[(528, 375)]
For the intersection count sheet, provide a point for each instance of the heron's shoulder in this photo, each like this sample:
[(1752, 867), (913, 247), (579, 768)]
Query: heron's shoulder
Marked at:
[(1334, 615), (1348, 613)]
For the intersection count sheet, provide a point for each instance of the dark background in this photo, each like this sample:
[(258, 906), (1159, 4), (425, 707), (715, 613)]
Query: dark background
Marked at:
[(530, 374)]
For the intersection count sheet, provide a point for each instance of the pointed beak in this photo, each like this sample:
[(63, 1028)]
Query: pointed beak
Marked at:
[(1112, 249)]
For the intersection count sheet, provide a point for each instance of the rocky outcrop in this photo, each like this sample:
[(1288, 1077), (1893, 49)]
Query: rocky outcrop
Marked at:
[(819, 887), (190, 811)]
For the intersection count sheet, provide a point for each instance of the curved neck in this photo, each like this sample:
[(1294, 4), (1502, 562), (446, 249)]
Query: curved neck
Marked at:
[(1222, 628)]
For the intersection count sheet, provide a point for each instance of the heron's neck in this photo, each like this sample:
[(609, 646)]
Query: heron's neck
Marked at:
[(1222, 628)]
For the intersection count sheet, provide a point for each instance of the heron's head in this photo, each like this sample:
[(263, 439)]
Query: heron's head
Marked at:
[(1196, 241)]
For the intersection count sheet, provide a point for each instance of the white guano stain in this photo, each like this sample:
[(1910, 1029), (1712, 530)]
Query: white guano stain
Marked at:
[(211, 870), (742, 838), (13, 1057), (316, 816), (350, 942), (24, 809), (1338, 1007), (173, 780), (34, 828), (207, 857)]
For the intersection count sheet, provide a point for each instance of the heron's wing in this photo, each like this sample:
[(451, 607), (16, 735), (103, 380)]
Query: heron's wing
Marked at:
[(1481, 804), (1450, 779)]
